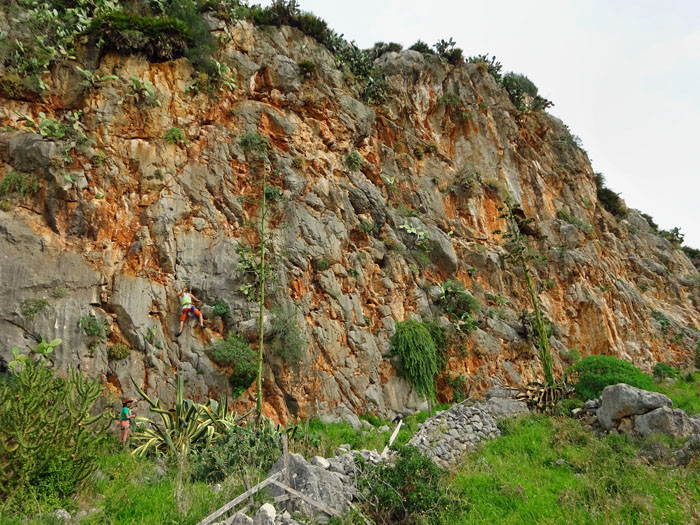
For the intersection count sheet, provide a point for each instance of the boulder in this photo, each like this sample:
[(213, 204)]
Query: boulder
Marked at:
[(690, 449), (313, 481), (623, 400), (663, 420)]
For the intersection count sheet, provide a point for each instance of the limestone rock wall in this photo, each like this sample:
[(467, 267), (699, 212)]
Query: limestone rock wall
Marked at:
[(119, 226)]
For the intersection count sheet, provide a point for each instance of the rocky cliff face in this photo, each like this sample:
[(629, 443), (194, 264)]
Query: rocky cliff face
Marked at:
[(118, 226)]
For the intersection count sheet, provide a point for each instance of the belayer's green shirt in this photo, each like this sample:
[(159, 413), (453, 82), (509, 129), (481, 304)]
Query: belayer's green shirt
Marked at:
[(125, 414)]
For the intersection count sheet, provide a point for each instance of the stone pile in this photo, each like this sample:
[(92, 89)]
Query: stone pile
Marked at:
[(330, 482), (445, 437), (624, 408)]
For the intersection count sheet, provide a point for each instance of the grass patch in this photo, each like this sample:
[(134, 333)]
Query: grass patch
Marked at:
[(516, 479), (685, 393)]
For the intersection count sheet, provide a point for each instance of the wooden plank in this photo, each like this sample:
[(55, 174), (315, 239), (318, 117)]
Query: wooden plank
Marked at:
[(392, 438), (223, 510), (307, 499), (285, 452)]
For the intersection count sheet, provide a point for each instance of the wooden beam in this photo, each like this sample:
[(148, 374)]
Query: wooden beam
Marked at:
[(307, 499), (392, 438), (223, 510)]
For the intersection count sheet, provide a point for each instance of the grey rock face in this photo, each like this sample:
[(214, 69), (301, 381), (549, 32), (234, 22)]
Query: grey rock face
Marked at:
[(621, 400), (663, 420), (501, 408)]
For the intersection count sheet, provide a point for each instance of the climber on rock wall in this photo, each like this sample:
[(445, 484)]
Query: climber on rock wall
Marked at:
[(187, 307)]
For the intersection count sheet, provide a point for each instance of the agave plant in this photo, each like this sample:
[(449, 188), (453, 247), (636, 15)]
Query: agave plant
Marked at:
[(185, 426)]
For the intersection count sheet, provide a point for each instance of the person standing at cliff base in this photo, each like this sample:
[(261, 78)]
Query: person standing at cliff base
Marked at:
[(125, 420), (186, 298)]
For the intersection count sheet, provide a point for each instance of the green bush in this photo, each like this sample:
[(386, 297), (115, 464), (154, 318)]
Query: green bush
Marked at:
[(594, 372), (235, 352), (520, 88), (458, 385), (22, 183), (460, 305), (663, 370), (221, 309), (287, 339), (118, 351), (447, 51), (409, 491), (160, 38), (419, 362), (97, 330), (353, 161), (175, 136), (31, 307), (608, 199), (438, 335), (488, 65), (422, 47), (49, 440), (307, 68), (238, 451)]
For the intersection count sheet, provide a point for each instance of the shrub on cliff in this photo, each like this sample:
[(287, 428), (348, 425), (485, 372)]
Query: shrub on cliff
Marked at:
[(594, 372), (418, 356), (235, 352), (49, 440), (608, 199)]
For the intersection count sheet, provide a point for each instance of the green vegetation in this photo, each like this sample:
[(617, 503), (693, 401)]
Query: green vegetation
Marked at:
[(608, 199), (419, 362), (97, 330), (182, 428), (175, 136), (287, 339), (524, 93), (685, 393), (238, 452), (31, 307), (221, 309), (236, 352), (554, 470), (143, 92), (663, 371), (447, 51), (21, 183), (323, 264), (594, 372), (257, 150), (118, 351), (519, 252), (353, 161), (409, 491), (307, 68), (422, 47), (567, 217), (49, 440), (488, 65), (460, 306)]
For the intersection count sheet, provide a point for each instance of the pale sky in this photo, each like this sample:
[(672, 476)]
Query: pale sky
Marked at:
[(624, 75)]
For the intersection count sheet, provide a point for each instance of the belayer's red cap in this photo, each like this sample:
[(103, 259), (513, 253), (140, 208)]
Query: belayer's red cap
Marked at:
[(127, 400)]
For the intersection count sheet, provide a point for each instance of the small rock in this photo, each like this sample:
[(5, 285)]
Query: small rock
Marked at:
[(653, 451), (560, 462), (216, 488), (576, 412), (321, 462), (690, 449), (61, 514), (159, 472), (266, 515), (384, 428), (240, 519)]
